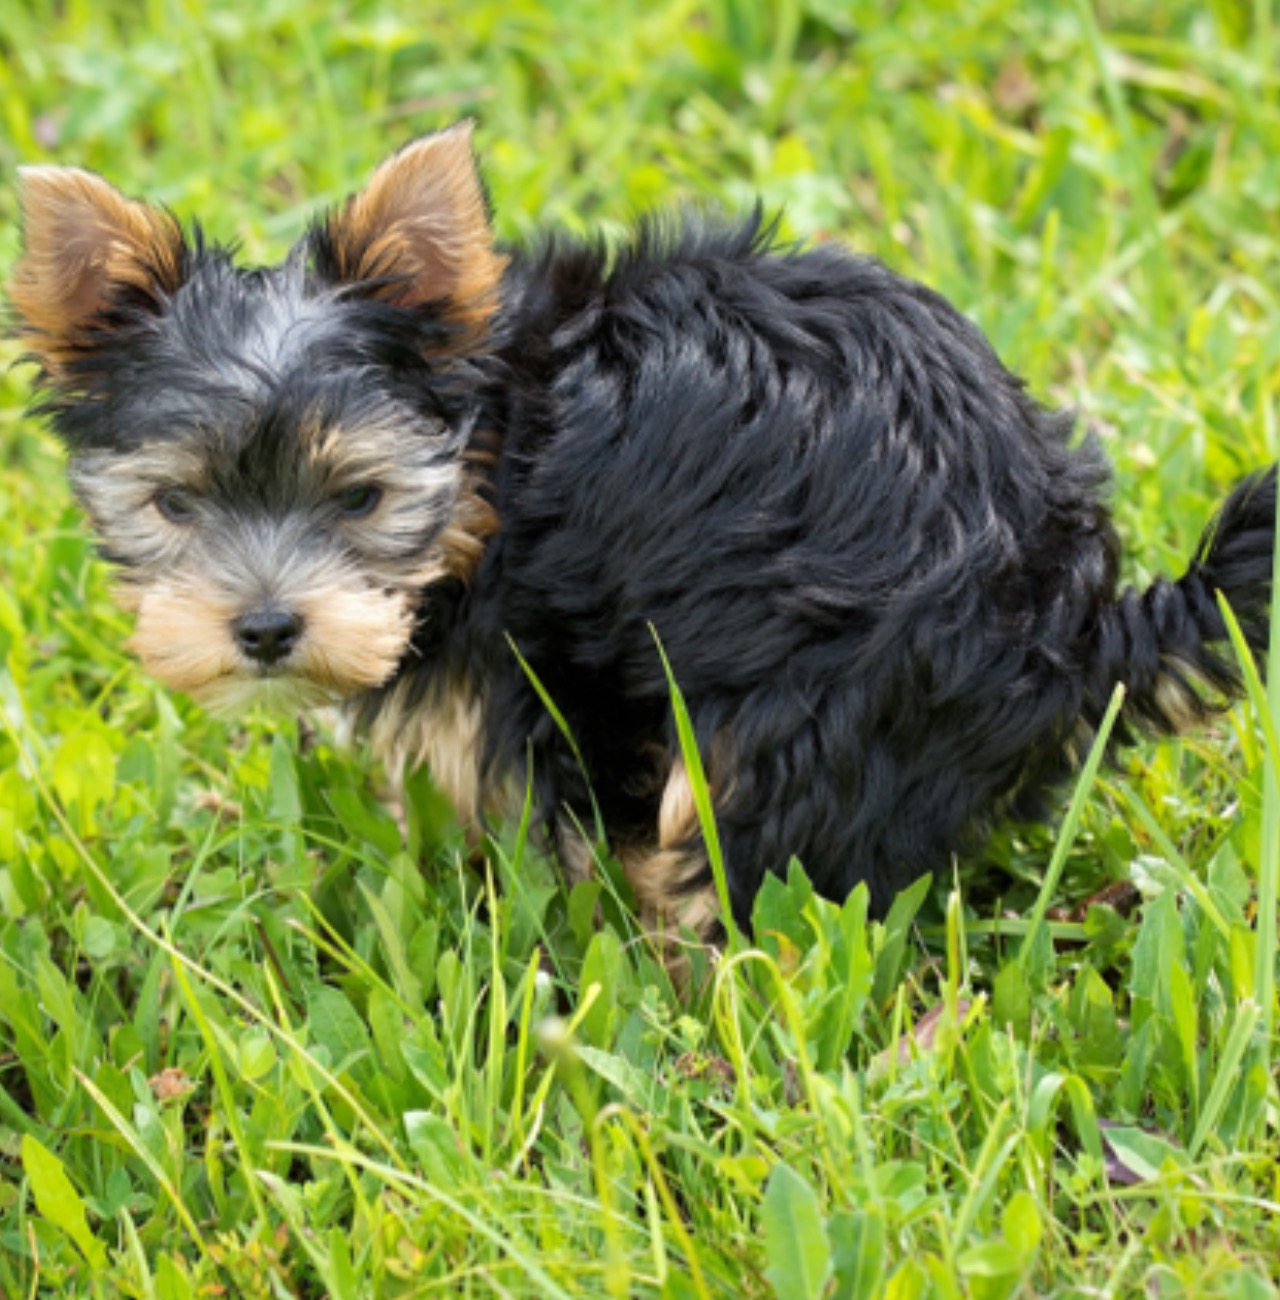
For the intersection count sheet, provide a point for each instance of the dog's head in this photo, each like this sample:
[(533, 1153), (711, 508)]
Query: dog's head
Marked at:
[(272, 457)]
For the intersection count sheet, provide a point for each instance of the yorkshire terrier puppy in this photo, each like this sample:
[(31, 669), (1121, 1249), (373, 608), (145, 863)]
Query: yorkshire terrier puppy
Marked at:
[(884, 576)]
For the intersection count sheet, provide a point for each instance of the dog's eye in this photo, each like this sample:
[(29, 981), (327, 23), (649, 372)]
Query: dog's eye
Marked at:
[(354, 502), (177, 506)]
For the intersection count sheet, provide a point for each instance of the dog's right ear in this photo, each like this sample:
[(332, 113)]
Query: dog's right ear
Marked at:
[(86, 248)]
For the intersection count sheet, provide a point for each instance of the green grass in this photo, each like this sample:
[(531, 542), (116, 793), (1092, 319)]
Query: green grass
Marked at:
[(253, 1045)]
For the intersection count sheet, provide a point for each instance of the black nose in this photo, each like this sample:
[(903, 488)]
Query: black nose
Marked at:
[(267, 635)]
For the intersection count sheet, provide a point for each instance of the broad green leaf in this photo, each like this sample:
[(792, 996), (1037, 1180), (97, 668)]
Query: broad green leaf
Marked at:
[(17, 811), (346, 1285), (436, 1145), (896, 931), (286, 799), (58, 1201), (603, 966), (286, 803), (636, 1086), (1011, 998), (1159, 946), (797, 1255), (1099, 1042), (406, 982), (1021, 1225), (363, 822), (84, 776), (679, 1286), (98, 938), (1183, 1006), (388, 1025), (908, 1282), (1144, 1153), (858, 1246), (257, 1053), (336, 1025), (991, 1259), (424, 1056), (778, 919), (583, 901), (171, 1282)]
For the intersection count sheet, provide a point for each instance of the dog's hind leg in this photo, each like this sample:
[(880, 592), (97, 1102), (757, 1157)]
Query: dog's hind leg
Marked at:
[(671, 878), (668, 873)]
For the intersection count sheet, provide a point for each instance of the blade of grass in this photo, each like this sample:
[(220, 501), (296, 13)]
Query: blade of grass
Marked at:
[(1070, 825), (550, 705), (1266, 707), (701, 796), (1179, 865), (1227, 1074)]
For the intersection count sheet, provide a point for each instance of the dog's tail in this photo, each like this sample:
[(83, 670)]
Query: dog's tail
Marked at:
[(1169, 645)]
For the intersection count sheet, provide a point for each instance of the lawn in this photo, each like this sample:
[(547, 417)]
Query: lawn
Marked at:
[(254, 1043)]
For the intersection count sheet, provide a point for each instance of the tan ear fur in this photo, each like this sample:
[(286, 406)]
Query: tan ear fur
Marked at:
[(81, 237), (422, 219)]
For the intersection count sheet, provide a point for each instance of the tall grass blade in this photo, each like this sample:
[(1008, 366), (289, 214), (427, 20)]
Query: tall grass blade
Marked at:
[(1070, 825)]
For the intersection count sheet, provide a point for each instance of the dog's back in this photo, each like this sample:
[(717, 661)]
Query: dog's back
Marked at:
[(873, 562)]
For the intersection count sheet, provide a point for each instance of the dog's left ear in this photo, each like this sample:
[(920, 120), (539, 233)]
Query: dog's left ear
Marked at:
[(419, 232)]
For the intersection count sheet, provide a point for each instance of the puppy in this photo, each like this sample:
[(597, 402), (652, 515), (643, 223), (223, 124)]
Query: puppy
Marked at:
[(885, 578)]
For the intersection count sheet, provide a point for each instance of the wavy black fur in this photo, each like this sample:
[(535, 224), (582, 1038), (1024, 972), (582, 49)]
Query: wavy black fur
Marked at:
[(884, 576)]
